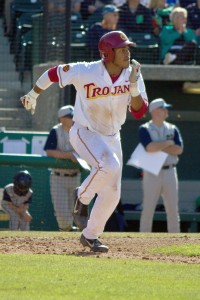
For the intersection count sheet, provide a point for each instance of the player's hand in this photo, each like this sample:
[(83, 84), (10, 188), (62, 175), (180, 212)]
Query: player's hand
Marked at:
[(29, 101), (135, 73), (26, 216), (73, 158)]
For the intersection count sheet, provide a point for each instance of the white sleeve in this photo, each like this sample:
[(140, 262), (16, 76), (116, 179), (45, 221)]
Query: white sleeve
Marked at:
[(44, 81), (68, 74)]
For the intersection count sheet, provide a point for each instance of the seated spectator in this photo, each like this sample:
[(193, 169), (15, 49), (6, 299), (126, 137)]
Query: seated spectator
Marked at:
[(76, 6), (185, 3), (194, 17), (110, 22), (88, 7), (118, 2), (177, 41), (135, 17), (160, 14), (173, 2), (97, 15)]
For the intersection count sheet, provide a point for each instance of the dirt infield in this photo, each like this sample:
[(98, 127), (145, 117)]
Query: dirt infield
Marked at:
[(128, 247)]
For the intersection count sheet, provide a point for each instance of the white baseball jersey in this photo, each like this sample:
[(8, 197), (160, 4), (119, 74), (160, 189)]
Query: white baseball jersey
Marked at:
[(101, 105)]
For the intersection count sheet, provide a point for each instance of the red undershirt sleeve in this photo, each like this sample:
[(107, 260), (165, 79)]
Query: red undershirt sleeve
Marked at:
[(52, 73), (140, 113)]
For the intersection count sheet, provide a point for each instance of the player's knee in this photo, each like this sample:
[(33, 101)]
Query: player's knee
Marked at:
[(111, 165)]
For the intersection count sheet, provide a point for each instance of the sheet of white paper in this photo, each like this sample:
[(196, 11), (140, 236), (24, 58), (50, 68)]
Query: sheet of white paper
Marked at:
[(82, 162), (151, 162)]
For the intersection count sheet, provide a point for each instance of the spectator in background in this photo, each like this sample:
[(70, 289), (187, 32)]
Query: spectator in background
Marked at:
[(62, 181), (185, 3), (7, 17), (135, 17), (110, 20), (159, 135), (118, 2), (16, 199), (97, 15), (177, 41), (160, 14), (194, 17), (76, 6), (173, 2), (89, 7)]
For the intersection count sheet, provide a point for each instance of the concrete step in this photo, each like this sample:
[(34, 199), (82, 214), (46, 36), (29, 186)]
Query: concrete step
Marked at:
[(12, 114), (15, 118), (10, 76)]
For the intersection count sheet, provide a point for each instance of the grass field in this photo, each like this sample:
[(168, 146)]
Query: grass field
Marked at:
[(56, 277)]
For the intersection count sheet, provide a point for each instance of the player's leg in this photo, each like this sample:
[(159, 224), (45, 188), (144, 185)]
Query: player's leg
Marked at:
[(107, 198), (14, 217), (102, 209), (151, 192), (170, 199), (24, 226), (96, 150), (59, 195)]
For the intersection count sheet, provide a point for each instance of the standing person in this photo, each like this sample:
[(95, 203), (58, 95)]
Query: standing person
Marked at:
[(104, 90), (159, 135), (16, 199), (62, 181)]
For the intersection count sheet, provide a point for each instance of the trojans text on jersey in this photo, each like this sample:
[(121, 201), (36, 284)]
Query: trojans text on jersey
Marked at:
[(93, 91)]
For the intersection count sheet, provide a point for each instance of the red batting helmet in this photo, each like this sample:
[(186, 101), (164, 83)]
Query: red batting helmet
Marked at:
[(110, 41)]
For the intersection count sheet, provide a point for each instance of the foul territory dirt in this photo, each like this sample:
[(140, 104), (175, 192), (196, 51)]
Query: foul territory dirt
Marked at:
[(128, 247)]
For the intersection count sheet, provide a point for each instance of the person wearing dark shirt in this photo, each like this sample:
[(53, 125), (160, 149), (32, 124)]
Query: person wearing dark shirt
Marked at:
[(135, 17), (159, 135), (62, 181), (160, 11), (194, 17)]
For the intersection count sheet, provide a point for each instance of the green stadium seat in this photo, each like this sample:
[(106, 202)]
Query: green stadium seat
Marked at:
[(147, 48)]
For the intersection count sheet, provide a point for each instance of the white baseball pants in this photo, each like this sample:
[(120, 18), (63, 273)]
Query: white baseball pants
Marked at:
[(104, 155)]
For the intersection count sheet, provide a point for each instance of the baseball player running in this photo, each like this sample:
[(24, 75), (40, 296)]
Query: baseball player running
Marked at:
[(104, 90)]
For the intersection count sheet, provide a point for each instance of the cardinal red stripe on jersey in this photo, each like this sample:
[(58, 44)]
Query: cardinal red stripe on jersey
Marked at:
[(53, 74)]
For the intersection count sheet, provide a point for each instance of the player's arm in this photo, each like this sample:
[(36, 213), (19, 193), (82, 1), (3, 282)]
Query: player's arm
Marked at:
[(44, 81), (177, 148), (7, 198), (51, 148), (61, 154), (139, 105), (151, 146)]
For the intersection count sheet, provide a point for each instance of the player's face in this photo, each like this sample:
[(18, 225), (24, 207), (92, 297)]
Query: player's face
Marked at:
[(122, 57)]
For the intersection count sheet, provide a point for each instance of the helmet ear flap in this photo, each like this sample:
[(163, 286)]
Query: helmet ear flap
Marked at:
[(107, 55)]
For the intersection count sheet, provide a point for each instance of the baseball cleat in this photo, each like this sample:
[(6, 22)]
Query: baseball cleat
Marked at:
[(80, 212), (94, 245)]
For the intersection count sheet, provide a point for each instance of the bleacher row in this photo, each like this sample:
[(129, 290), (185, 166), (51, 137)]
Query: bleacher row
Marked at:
[(28, 41)]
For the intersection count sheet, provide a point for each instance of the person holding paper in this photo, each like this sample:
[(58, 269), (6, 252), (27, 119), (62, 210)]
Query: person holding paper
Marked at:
[(158, 135), (63, 181)]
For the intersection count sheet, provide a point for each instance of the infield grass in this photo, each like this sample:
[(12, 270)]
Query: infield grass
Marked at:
[(60, 277)]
